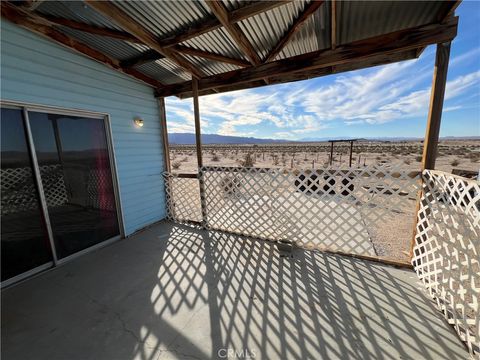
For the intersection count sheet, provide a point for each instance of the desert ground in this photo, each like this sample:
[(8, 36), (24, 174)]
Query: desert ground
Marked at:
[(406, 155), (391, 233)]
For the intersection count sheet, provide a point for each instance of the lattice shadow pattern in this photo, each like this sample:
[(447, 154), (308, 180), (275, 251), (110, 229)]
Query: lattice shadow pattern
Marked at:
[(447, 250)]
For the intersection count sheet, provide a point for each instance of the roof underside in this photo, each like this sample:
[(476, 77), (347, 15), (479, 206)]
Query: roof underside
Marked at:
[(263, 31)]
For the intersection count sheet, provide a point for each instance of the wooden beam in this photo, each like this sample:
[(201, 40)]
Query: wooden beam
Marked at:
[(333, 23), (234, 30), (145, 57), (91, 29), (212, 56), (436, 105), (213, 24), (198, 131), (130, 25), (297, 24), (387, 45), (43, 27), (164, 129), (304, 75)]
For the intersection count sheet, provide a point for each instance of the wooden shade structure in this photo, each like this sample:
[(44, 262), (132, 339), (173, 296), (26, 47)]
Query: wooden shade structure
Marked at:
[(220, 46)]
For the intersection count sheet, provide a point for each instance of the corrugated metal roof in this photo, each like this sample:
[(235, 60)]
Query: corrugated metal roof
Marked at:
[(164, 18), (75, 10), (117, 49), (363, 19), (266, 29), (356, 20)]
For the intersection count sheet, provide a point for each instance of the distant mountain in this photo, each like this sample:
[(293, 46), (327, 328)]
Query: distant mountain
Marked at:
[(189, 138)]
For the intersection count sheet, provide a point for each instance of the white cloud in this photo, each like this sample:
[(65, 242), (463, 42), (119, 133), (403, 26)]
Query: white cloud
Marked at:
[(372, 96)]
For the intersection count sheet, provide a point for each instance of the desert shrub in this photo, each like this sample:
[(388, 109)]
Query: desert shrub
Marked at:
[(474, 156), (407, 161), (176, 165), (275, 160), (248, 161), (215, 158), (418, 158), (455, 162)]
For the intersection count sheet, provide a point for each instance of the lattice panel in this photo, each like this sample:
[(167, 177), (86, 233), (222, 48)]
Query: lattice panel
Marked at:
[(100, 189), (324, 208), (447, 250), (183, 198), (20, 194)]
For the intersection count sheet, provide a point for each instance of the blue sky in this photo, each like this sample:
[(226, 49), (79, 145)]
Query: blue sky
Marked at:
[(390, 100)]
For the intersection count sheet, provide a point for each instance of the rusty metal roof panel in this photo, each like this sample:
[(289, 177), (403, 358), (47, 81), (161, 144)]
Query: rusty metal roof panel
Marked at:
[(364, 19)]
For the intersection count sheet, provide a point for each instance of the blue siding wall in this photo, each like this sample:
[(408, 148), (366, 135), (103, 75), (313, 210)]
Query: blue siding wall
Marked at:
[(36, 70)]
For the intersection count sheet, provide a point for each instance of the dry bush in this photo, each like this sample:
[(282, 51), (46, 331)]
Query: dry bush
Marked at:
[(248, 161), (418, 158), (215, 158), (455, 162), (407, 161), (176, 165)]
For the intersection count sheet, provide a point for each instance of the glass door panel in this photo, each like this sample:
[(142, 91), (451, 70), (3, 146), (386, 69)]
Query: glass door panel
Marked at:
[(73, 158), (24, 243)]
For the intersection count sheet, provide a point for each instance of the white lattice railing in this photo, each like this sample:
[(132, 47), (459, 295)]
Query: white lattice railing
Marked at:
[(183, 197), (350, 210), (447, 250)]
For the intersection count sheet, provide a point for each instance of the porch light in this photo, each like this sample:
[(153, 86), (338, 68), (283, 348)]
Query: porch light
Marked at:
[(138, 122)]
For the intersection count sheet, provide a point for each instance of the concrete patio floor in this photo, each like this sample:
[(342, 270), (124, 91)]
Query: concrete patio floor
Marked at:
[(175, 292)]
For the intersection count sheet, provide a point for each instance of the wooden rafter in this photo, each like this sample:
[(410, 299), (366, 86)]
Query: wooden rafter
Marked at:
[(234, 30), (214, 24), (297, 24), (333, 24), (130, 25), (121, 35), (387, 44), (43, 27), (304, 75)]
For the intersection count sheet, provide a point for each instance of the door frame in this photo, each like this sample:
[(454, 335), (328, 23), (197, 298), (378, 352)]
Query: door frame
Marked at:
[(25, 108)]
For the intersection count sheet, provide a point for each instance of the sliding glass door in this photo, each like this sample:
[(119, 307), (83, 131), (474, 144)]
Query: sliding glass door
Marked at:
[(71, 202), (25, 243)]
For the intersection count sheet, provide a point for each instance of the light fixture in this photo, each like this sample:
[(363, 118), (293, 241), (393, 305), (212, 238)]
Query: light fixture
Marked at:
[(138, 122)]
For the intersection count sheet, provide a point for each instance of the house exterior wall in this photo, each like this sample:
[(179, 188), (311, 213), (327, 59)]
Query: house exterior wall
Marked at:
[(36, 70)]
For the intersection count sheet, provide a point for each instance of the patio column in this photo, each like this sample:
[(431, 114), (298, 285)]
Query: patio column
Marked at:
[(163, 127), (436, 105), (432, 134), (198, 142), (196, 111)]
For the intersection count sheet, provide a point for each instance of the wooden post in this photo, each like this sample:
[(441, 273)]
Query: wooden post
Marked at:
[(432, 134), (196, 111), (198, 142), (331, 153), (351, 153), (436, 105), (163, 127)]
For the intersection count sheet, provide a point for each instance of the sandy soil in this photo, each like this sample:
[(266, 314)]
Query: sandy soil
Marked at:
[(391, 236)]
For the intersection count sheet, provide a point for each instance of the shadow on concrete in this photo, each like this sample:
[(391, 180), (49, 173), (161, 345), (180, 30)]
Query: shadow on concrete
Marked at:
[(177, 292)]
